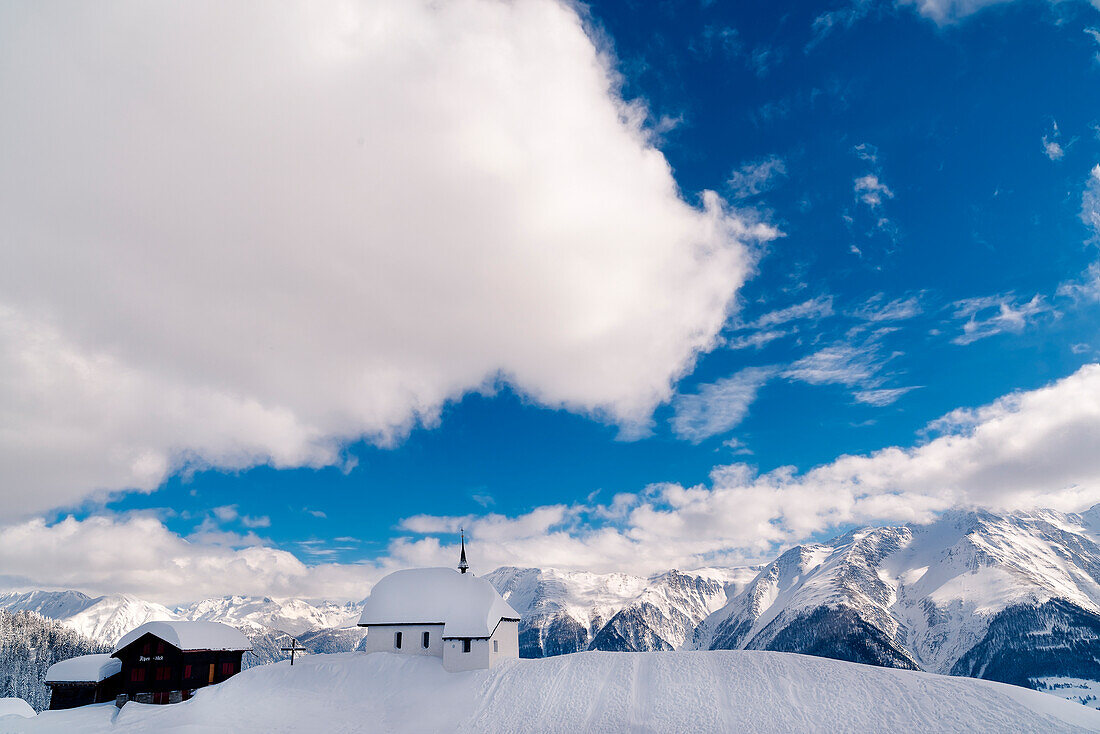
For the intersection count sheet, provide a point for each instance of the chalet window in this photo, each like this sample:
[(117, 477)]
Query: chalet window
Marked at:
[(397, 640), (160, 648), (137, 675), (495, 648), (227, 668), (465, 646), (146, 648), (186, 671), (164, 673), (424, 639)]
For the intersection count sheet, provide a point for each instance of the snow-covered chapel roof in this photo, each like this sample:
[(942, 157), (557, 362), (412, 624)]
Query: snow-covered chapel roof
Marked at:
[(466, 606), (190, 636), (84, 669)]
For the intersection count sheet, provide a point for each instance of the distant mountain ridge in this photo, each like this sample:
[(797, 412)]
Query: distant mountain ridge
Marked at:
[(1010, 597)]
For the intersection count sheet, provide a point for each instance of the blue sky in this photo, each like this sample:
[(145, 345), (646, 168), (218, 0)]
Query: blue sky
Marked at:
[(924, 172)]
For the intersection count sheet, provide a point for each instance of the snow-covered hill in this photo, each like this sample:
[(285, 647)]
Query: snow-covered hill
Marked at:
[(744, 691)]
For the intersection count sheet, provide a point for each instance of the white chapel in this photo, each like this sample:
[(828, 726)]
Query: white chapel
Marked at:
[(448, 614)]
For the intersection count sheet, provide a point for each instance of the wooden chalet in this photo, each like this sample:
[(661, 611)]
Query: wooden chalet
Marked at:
[(83, 680), (166, 662)]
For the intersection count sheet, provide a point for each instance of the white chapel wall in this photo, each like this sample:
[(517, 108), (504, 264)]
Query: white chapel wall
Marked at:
[(455, 660), (506, 637), (380, 638)]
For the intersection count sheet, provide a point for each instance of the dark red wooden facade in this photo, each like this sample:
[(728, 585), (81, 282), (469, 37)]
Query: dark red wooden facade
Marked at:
[(155, 671)]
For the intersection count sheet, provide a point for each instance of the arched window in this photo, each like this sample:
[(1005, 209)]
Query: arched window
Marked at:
[(424, 639), (397, 640)]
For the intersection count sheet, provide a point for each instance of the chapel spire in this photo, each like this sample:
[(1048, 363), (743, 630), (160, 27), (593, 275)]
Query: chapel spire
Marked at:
[(463, 567)]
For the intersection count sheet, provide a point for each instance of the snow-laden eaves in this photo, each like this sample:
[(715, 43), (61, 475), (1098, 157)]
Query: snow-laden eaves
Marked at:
[(84, 669)]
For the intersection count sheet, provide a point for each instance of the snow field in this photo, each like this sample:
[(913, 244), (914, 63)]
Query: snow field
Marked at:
[(719, 691)]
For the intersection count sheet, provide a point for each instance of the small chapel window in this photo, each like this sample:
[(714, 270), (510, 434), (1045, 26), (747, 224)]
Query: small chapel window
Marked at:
[(424, 640), (466, 645), (397, 640), (495, 646)]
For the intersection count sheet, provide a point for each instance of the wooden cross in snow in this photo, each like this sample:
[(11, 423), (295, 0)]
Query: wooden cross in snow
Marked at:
[(292, 649)]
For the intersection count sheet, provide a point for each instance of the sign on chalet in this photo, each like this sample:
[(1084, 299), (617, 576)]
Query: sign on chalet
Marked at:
[(82, 680), (165, 662)]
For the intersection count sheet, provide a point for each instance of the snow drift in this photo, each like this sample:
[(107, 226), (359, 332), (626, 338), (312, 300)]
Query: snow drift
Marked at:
[(753, 691)]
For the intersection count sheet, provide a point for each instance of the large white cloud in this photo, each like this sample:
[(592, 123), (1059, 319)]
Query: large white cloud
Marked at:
[(137, 554), (232, 233)]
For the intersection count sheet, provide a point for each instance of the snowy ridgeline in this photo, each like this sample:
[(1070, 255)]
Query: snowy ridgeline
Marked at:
[(743, 691)]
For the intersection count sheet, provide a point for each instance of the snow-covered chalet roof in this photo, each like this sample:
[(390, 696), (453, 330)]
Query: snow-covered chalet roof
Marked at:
[(190, 636), (466, 606), (84, 669)]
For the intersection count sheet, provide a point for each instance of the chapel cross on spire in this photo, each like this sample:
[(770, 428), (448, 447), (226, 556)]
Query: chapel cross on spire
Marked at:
[(463, 567)]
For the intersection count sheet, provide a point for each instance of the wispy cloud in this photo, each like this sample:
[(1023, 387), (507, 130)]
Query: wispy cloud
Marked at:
[(882, 396), (842, 364), (719, 406), (765, 57), (838, 19), (871, 191), (755, 340), (814, 309), (991, 315), (859, 363), (946, 12), (230, 513), (764, 329), (756, 177), (1090, 202), (1086, 288), (878, 309), (1052, 148), (717, 39), (1095, 33)]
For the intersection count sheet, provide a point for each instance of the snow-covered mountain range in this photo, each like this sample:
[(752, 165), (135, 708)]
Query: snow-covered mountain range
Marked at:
[(1013, 598), (103, 619)]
